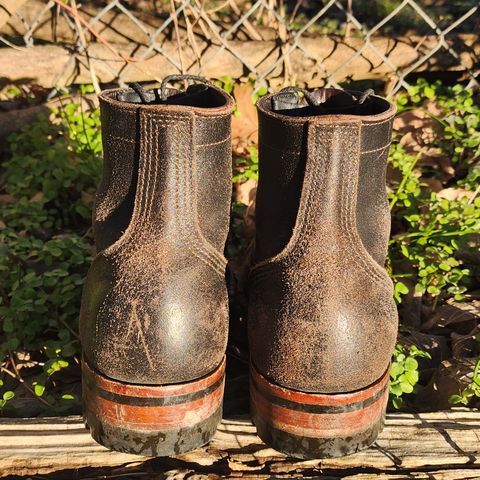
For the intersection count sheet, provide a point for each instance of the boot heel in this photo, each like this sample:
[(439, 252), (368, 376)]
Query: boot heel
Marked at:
[(313, 425), (152, 420)]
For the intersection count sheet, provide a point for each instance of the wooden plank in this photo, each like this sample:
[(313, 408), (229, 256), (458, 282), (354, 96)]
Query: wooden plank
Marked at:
[(8, 8), (471, 474), (54, 65), (444, 442)]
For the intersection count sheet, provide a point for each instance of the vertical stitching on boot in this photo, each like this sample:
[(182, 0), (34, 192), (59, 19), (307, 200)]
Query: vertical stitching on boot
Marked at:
[(150, 189), (319, 159), (316, 181), (204, 250), (312, 183), (145, 192), (184, 209), (347, 212)]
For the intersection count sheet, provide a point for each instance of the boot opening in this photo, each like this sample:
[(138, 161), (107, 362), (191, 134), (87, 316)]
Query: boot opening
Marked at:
[(296, 102), (199, 95)]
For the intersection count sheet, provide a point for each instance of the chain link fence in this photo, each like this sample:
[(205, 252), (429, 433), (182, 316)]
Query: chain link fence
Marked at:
[(314, 43)]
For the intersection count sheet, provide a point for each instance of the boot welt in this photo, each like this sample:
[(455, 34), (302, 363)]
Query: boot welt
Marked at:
[(152, 420), (317, 425)]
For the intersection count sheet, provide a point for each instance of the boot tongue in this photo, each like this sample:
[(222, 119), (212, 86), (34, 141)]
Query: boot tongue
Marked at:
[(193, 94), (321, 101), (154, 96), (198, 94), (287, 101)]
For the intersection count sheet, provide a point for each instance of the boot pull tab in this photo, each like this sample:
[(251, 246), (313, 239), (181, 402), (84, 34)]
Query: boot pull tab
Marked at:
[(292, 98), (364, 96), (185, 77), (288, 98), (140, 91)]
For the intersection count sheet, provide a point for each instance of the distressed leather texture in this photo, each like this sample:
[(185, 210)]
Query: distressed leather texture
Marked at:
[(321, 313), (154, 307)]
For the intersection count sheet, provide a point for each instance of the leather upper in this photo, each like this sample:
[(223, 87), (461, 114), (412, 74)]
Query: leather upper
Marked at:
[(321, 313), (154, 307)]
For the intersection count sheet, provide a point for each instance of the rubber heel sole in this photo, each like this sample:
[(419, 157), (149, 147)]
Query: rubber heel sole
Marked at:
[(311, 425), (152, 420)]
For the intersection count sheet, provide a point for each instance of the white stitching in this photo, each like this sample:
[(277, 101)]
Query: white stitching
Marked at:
[(213, 143), (116, 137), (376, 149), (378, 123)]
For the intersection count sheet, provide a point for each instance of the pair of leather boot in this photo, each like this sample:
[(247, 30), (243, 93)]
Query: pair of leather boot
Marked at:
[(322, 322)]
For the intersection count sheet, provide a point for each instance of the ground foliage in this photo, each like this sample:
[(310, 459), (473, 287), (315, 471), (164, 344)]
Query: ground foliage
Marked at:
[(48, 178)]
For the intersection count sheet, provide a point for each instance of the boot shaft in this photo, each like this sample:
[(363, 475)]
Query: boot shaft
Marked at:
[(311, 160), (165, 168)]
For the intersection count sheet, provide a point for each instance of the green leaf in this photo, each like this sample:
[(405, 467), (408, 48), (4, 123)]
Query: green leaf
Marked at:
[(396, 370), (39, 389), (397, 402), (411, 364), (455, 399), (396, 389), (406, 387), (416, 352), (400, 287), (433, 289), (8, 395), (412, 376)]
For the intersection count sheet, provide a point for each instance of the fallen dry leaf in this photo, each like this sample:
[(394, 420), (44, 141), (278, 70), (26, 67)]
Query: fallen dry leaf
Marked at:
[(7, 198), (244, 126), (452, 376), (454, 193), (464, 315), (245, 192), (465, 345), (38, 197), (87, 198)]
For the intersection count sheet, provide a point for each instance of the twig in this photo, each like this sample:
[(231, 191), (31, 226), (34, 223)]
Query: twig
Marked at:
[(248, 26), (75, 13), (193, 40), (83, 43), (128, 59), (177, 34), (70, 329), (475, 193), (295, 11), (218, 8), (282, 35), (22, 381), (11, 45), (8, 372), (349, 18)]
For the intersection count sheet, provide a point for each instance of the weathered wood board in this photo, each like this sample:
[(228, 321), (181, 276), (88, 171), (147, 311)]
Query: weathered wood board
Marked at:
[(54, 65), (442, 446)]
